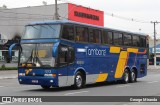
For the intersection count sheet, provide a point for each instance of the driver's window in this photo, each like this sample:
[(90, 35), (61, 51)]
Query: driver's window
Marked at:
[(71, 55), (63, 49), (65, 55)]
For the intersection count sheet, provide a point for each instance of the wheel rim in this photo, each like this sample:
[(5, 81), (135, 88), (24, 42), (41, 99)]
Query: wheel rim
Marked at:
[(79, 81), (126, 77), (133, 76)]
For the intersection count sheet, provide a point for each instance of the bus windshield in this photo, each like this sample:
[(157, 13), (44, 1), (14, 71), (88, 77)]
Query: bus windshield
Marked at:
[(37, 55), (41, 31)]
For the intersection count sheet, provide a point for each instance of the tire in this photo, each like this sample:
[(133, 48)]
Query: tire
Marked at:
[(133, 77), (45, 87), (126, 76), (79, 80)]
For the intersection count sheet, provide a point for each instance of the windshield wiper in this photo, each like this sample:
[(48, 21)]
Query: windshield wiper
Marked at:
[(30, 58), (36, 59)]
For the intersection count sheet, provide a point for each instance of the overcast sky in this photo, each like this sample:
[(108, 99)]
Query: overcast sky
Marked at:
[(143, 10)]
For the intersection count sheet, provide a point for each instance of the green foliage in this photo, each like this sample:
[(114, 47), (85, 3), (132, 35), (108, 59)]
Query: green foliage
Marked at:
[(3, 67), (151, 56)]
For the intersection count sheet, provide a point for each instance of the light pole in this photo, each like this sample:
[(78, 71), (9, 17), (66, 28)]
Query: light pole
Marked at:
[(154, 23), (56, 16)]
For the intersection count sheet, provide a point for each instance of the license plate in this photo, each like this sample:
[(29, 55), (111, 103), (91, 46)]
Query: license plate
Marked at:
[(34, 81)]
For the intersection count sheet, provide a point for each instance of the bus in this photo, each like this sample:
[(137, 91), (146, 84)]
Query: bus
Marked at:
[(62, 53)]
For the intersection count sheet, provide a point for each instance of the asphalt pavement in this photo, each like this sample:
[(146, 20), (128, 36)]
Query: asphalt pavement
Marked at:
[(147, 86)]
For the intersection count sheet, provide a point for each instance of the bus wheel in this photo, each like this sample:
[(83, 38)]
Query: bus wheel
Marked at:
[(78, 80), (133, 77), (45, 87), (126, 76)]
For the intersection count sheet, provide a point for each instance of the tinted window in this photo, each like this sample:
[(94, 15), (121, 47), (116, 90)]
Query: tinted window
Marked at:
[(91, 36), (107, 37), (142, 41), (68, 32), (70, 55), (117, 39), (81, 34), (95, 36), (136, 41), (127, 40), (63, 49)]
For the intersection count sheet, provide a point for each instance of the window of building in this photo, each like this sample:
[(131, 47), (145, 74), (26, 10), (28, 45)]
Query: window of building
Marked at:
[(136, 41), (81, 34), (117, 38), (127, 40), (68, 32), (95, 35)]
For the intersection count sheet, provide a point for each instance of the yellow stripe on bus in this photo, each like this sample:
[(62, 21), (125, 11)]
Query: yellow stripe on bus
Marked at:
[(121, 64), (133, 50), (102, 77), (115, 49), (27, 71)]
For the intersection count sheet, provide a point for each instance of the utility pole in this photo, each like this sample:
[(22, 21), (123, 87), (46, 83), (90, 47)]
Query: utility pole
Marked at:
[(56, 16), (154, 23)]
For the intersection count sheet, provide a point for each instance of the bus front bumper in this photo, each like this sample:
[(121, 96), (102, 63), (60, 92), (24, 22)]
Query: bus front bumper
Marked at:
[(38, 80)]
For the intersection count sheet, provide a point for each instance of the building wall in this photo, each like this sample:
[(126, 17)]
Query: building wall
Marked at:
[(151, 42), (12, 21)]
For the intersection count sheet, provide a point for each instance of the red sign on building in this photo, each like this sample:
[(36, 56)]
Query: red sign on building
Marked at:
[(85, 15)]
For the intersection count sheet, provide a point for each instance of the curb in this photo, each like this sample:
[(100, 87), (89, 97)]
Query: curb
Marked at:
[(12, 77)]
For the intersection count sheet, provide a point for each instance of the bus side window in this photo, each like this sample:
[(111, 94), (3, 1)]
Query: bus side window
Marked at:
[(107, 37), (91, 35), (110, 38), (68, 32), (136, 41), (127, 40), (95, 36), (143, 41), (81, 34), (117, 38)]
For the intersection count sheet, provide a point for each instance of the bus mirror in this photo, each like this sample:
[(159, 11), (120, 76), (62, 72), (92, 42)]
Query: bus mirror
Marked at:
[(55, 49), (10, 49)]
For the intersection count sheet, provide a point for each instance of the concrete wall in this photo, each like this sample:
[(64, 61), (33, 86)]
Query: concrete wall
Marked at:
[(12, 21)]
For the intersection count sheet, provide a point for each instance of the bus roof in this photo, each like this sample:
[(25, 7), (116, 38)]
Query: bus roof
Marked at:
[(78, 23)]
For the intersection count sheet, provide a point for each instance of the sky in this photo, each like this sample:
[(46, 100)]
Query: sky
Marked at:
[(143, 11)]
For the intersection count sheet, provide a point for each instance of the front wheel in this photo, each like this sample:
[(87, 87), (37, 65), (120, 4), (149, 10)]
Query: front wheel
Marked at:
[(79, 80), (126, 76)]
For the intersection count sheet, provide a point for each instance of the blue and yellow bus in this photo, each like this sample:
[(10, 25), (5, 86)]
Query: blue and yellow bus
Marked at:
[(65, 53)]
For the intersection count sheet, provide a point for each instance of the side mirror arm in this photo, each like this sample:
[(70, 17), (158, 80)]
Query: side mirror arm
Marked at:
[(10, 49), (55, 49)]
